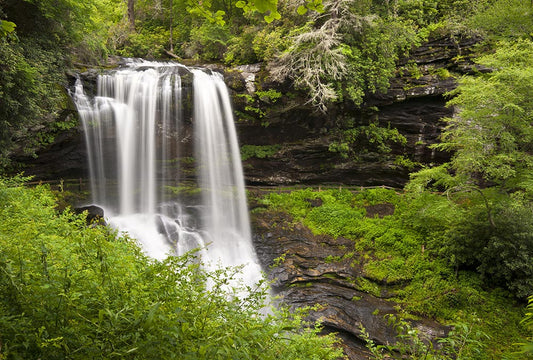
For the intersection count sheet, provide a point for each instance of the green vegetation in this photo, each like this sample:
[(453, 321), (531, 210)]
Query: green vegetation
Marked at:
[(258, 151), (430, 255), (458, 247), (34, 53), (460, 343), (358, 140), (527, 347), (72, 291)]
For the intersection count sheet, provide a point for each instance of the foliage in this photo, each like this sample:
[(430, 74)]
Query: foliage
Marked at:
[(487, 225), (527, 347), (504, 19), (460, 343), (147, 44), (29, 98), (32, 79), (209, 41), (367, 138), (491, 135), (68, 290), (269, 42), (258, 151), (6, 28), (241, 49), (420, 253), (345, 52)]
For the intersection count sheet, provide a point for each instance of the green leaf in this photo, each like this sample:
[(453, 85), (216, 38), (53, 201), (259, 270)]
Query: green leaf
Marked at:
[(272, 16), (267, 5), (301, 10), (7, 26)]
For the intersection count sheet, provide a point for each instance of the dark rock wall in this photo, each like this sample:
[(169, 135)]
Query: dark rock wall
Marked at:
[(307, 270), (414, 105)]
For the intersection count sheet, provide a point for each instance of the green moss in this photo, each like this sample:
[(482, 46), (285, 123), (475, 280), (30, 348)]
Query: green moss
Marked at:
[(259, 151), (367, 286), (403, 251)]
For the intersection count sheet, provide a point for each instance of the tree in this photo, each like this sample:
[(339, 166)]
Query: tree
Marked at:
[(489, 176), (131, 14), (491, 134), (344, 52)]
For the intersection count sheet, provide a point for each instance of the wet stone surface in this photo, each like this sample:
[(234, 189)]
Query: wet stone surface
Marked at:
[(307, 269)]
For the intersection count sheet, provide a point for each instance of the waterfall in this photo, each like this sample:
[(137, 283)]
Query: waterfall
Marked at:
[(139, 130)]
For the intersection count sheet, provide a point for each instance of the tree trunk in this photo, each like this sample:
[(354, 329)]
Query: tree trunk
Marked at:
[(171, 29), (131, 14)]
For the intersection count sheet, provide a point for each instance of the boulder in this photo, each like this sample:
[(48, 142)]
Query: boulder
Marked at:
[(95, 214)]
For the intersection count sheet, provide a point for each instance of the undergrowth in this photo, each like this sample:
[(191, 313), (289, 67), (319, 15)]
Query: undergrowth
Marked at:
[(70, 291), (412, 253)]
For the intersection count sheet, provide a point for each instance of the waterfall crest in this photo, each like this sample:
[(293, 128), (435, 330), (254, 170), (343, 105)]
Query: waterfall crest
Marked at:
[(142, 144)]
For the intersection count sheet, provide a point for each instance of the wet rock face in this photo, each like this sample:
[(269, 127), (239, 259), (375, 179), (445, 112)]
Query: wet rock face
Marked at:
[(307, 270), (414, 104)]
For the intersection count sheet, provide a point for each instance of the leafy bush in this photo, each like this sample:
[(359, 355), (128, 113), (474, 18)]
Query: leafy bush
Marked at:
[(258, 151), (208, 41), (504, 19), (148, 44), (501, 248), (268, 43), (364, 139), (485, 231), (70, 291), (240, 50)]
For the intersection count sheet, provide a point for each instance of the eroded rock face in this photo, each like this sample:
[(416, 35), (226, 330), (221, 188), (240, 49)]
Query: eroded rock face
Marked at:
[(307, 269), (414, 105)]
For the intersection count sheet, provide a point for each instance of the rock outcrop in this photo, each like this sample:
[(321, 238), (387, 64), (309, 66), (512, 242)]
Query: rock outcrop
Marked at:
[(307, 270), (414, 104)]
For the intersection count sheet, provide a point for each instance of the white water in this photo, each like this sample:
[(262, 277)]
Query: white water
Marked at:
[(130, 129)]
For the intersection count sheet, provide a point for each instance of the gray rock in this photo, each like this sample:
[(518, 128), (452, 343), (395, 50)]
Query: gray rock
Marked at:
[(301, 270)]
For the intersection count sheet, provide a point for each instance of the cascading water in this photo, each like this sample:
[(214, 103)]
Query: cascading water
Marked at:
[(135, 130)]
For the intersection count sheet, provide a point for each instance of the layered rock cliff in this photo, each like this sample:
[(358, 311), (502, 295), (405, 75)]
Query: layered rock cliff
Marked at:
[(414, 104), (308, 270), (289, 140)]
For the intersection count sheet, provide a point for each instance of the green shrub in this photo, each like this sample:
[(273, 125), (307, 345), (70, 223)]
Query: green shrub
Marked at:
[(149, 43), (78, 292), (207, 42), (365, 139), (258, 151), (268, 43), (240, 49)]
